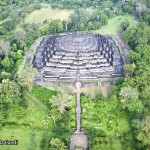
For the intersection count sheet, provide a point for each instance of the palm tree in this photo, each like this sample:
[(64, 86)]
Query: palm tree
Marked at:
[(61, 101), (57, 144), (54, 115)]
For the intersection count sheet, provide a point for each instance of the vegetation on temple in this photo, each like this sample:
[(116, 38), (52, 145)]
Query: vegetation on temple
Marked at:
[(27, 112)]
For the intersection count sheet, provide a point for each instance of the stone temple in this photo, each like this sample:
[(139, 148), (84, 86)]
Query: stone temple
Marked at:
[(68, 55), (78, 57)]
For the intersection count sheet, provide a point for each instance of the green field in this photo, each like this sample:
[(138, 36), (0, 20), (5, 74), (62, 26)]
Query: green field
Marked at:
[(47, 13), (113, 25), (27, 139)]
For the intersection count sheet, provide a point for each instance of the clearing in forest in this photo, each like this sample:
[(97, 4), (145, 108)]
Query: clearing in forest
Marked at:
[(113, 25), (47, 13)]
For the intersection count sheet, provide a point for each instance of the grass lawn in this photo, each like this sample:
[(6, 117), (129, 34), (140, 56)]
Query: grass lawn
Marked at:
[(27, 139), (47, 13), (34, 116), (113, 25), (42, 94)]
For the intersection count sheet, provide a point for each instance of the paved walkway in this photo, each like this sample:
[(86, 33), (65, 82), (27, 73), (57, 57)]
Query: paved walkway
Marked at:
[(30, 53), (78, 107), (78, 140), (124, 47)]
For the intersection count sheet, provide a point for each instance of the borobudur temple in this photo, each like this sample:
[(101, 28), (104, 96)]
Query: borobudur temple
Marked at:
[(87, 55)]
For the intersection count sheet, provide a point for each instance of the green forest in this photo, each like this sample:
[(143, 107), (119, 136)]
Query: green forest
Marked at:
[(43, 118)]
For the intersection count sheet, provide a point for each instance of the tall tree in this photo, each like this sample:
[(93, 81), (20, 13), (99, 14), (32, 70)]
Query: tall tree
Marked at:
[(124, 25), (9, 92), (140, 7), (129, 98), (61, 101), (4, 48), (26, 77), (55, 115), (143, 130), (55, 26), (20, 38), (7, 63), (129, 68), (57, 144), (5, 75)]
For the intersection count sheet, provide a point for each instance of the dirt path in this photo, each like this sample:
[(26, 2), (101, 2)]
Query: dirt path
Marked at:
[(37, 102)]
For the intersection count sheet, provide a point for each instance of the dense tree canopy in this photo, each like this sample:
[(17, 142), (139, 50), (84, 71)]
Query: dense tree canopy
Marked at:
[(9, 92), (108, 122), (143, 130), (129, 98), (7, 63)]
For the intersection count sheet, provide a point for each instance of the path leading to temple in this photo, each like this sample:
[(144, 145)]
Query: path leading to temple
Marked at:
[(78, 139), (124, 48), (78, 107)]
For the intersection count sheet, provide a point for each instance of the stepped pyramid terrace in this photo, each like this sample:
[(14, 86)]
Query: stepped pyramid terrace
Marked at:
[(63, 56), (79, 59)]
